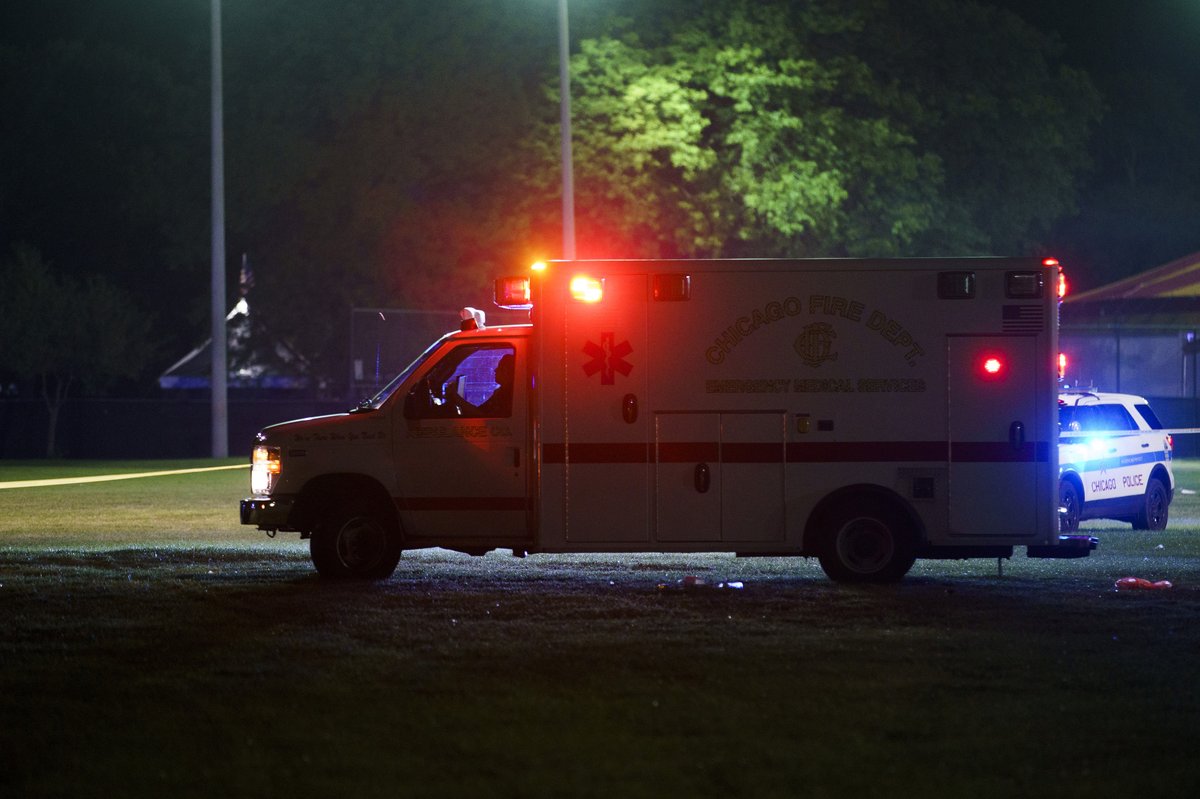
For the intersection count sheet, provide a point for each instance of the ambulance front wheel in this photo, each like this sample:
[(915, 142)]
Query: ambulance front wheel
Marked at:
[(355, 542), (866, 541)]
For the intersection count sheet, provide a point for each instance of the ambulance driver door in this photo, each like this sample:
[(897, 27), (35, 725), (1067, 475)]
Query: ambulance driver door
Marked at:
[(461, 445)]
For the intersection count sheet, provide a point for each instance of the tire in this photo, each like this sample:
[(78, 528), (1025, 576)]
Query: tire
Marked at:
[(1068, 500), (1154, 510), (353, 542), (866, 542)]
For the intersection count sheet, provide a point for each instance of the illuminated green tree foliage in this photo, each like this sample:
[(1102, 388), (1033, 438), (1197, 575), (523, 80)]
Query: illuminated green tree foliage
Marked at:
[(746, 128)]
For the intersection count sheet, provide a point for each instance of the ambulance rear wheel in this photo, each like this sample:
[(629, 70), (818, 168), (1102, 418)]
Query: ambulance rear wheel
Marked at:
[(1153, 513), (866, 542), (355, 543)]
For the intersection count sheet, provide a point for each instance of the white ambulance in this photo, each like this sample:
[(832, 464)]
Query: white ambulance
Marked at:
[(865, 412)]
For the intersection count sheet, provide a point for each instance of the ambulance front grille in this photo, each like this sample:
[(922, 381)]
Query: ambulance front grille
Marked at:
[(1024, 318)]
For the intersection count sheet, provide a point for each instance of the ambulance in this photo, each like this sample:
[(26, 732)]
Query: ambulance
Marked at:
[(863, 412)]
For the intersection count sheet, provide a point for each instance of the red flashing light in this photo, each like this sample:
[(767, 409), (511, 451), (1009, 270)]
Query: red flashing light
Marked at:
[(1053, 263), (513, 293), (1062, 365), (991, 366)]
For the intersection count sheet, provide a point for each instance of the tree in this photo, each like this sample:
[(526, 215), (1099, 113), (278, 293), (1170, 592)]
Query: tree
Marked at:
[(986, 94), (66, 333), (804, 129)]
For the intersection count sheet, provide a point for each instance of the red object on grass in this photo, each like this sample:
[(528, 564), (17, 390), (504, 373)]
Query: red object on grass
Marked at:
[(1141, 584)]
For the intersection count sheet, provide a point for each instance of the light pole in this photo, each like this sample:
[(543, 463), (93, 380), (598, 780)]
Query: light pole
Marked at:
[(220, 408), (564, 88)]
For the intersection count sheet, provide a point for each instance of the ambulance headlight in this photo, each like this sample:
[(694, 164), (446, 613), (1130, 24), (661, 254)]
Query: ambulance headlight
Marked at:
[(265, 466)]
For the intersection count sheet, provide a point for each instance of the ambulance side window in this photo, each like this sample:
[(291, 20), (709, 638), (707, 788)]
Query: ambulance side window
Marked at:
[(471, 382)]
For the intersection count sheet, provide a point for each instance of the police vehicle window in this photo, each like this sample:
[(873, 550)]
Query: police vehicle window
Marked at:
[(1078, 418), (1149, 416), (1115, 417), (474, 382), (1089, 418)]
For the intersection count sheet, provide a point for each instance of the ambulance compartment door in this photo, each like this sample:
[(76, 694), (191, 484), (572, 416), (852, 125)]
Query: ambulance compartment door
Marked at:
[(994, 418), (607, 417), (753, 451), (719, 476), (687, 474)]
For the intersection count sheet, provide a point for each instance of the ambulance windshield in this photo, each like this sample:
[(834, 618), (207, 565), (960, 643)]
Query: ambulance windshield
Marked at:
[(376, 402)]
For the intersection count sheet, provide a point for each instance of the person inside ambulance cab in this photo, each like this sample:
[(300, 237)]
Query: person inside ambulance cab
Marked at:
[(475, 382)]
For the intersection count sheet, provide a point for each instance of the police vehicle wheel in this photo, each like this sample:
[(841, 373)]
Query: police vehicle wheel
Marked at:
[(355, 543), (866, 542), (1068, 500), (1154, 510)]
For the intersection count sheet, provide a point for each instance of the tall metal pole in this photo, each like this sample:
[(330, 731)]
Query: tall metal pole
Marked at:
[(220, 408), (568, 180)]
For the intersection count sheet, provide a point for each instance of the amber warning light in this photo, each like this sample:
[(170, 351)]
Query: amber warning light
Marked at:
[(587, 289)]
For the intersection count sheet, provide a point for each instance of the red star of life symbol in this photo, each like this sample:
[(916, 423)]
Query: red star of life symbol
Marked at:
[(607, 358)]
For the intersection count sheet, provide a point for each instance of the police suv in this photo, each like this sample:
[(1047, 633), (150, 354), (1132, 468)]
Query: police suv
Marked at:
[(1114, 461)]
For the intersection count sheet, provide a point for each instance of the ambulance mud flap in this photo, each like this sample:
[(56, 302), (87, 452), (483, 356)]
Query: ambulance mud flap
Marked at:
[(1068, 546)]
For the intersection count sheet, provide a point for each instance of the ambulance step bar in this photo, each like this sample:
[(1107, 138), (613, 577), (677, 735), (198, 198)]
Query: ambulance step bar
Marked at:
[(1068, 546)]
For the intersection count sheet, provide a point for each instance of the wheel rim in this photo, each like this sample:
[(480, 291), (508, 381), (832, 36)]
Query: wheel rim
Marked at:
[(361, 544), (865, 545), (1156, 508), (1070, 503)]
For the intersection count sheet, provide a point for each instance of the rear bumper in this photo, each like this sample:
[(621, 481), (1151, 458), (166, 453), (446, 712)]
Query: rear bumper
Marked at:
[(267, 514), (1068, 546)]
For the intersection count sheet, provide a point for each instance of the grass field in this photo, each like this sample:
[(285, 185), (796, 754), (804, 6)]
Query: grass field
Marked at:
[(152, 646)]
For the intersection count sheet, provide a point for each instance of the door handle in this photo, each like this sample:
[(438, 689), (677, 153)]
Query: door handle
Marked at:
[(629, 409), (1016, 435), (703, 478)]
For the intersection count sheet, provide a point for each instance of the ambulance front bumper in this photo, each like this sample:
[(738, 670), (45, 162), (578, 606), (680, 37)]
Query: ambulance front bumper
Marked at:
[(269, 513)]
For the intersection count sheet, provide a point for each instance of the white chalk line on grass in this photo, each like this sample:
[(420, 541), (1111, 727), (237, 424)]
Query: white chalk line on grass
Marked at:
[(104, 478)]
